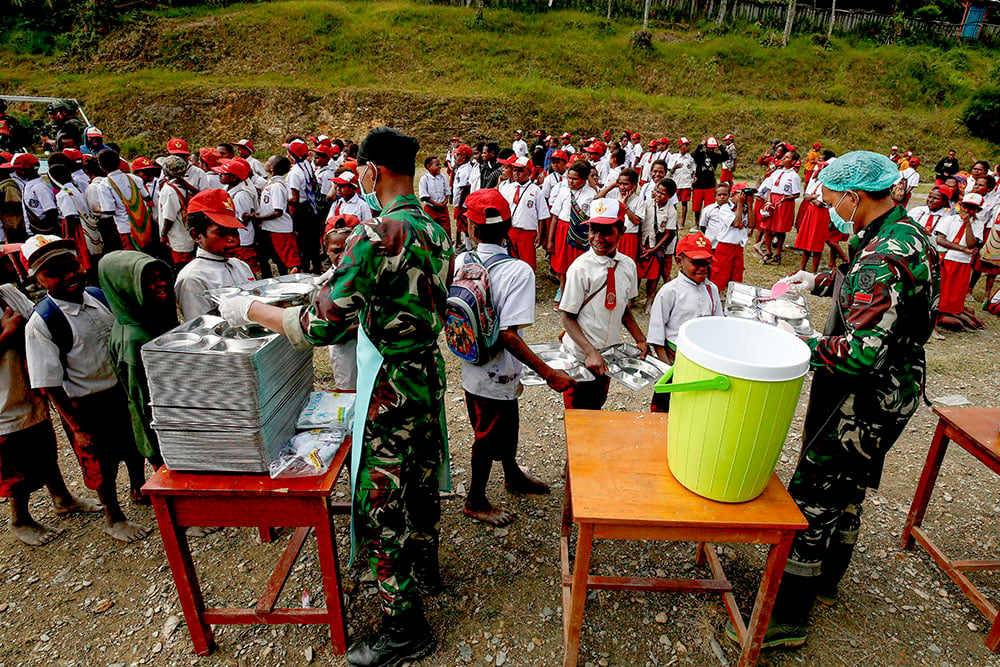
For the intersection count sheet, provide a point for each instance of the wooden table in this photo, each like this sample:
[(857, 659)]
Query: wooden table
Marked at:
[(200, 499), (975, 431), (619, 487)]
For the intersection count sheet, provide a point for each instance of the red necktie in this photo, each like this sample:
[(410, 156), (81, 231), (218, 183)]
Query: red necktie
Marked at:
[(610, 298), (517, 195), (930, 223)]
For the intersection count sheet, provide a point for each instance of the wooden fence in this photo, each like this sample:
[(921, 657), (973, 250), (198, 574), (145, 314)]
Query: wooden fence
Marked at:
[(770, 13)]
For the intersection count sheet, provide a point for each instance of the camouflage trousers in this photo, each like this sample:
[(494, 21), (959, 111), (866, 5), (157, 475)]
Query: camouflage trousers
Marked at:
[(397, 507), (842, 459)]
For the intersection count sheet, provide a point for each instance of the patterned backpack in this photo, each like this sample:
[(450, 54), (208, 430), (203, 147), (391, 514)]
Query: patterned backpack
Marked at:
[(471, 325)]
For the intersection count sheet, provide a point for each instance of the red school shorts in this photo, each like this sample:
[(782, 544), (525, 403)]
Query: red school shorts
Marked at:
[(522, 245), (286, 248), (684, 194), (701, 198)]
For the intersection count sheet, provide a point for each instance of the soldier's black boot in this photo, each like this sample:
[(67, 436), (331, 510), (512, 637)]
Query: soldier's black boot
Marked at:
[(835, 563), (790, 616), (399, 639)]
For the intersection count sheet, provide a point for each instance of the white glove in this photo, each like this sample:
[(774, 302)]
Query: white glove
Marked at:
[(236, 309), (785, 326), (800, 281)]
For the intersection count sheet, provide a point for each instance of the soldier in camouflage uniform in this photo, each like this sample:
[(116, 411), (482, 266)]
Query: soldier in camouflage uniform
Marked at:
[(868, 379), (64, 129), (392, 283)]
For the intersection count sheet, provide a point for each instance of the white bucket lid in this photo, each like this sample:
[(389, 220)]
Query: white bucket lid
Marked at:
[(744, 349)]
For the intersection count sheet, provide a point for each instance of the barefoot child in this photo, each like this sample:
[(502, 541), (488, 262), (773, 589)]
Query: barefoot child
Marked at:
[(215, 229), (140, 294), (343, 356), (688, 296), (595, 304), (28, 455), (66, 341), (492, 389), (659, 233), (957, 239)]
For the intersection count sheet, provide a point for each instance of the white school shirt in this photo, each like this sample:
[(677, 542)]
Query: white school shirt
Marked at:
[(20, 407), (911, 176), (718, 223), (343, 356), (568, 149), (434, 188), (244, 203), (324, 178), (681, 169), (197, 177), (112, 203), (475, 178), (88, 364), (355, 206), (207, 271), (171, 208), (782, 182), (512, 286), (273, 198), (462, 175), (550, 188), (603, 172), (71, 201), (636, 204), (644, 164), (257, 167), (925, 217), (583, 197), (520, 148), (298, 179), (629, 155), (658, 220), (637, 151), (36, 200), (530, 206), (588, 275), (949, 227), (678, 301), (81, 179)]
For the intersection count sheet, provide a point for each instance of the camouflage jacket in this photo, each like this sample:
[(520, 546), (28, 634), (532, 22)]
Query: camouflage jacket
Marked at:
[(392, 282), (887, 303)]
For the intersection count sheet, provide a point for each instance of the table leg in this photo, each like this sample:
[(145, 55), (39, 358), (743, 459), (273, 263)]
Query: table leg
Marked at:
[(567, 512), (935, 455), (267, 534), (699, 555), (178, 553), (574, 615), (993, 638), (326, 545), (776, 559)]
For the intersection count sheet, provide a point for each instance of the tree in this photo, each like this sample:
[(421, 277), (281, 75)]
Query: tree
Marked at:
[(789, 19), (645, 16), (833, 16), (722, 13)]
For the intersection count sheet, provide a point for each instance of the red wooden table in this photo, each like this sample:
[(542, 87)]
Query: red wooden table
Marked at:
[(976, 431), (618, 486), (228, 500)]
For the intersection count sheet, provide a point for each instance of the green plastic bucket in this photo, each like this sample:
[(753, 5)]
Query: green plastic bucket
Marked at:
[(737, 383)]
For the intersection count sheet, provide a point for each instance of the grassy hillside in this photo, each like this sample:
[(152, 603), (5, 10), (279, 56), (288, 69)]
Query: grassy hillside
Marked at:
[(274, 68)]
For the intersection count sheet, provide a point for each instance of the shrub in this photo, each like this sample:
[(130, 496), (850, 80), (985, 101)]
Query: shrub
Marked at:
[(982, 115)]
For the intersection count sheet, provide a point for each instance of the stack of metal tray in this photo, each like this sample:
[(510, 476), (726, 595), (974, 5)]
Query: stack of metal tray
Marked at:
[(224, 399), (755, 303)]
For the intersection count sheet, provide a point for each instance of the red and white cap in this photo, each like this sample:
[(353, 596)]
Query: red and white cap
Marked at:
[(519, 133), (143, 163), (895, 148), (548, 137), (177, 147), (565, 135), (519, 162), (298, 148), (684, 141), (347, 178), (456, 138), (712, 142), (487, 207), (218, 206), (606, 212), (972, 199), (245, 143), (323, 140), (92, 131), (728, 137), (40, 248)]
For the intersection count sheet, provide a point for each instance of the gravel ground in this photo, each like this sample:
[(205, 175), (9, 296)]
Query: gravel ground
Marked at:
[(86, 600)]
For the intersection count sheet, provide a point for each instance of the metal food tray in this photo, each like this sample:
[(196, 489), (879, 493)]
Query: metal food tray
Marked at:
[(745, 301), (553, 352), (269, 290)]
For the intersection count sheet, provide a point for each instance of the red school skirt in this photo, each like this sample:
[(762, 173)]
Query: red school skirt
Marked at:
[(628, 245), (564, 253), (760, 222), (783, 215), (955, 278), (522, 245), (814, 228)]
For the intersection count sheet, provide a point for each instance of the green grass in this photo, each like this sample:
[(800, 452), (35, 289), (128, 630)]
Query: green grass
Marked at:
[(426, 64)]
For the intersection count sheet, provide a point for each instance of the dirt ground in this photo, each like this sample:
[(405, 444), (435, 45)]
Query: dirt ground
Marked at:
[(86, 600)]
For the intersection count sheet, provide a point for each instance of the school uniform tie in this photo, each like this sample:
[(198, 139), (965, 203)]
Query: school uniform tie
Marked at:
[(930, 223), (610, 297), (517, 195)]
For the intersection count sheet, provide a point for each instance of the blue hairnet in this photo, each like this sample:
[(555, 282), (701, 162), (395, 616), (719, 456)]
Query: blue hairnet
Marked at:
[(859, 170)]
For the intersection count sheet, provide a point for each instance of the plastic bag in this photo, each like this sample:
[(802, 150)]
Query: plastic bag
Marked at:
[(308, 454), (326, 408)]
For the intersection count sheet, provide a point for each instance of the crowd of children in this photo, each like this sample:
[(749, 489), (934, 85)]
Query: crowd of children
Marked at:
[(119, 246)]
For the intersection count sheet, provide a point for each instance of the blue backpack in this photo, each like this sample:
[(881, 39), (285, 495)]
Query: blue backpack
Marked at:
[(471, 325)]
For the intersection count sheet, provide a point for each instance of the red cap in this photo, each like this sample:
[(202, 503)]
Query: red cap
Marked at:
[(559, 155), (24, 161), (739, 186), (217, 205), (343, 221), (487, 207), (464, 149), (125, 167), (237, 167), (143, 163), (456, 138), (210, 157), (347, 178), (330, 150), (607, 133), (177, 147), (508, 161), (664, 141), (5, 159), (653, 144), (245, 143), (73, 154), (539, 133), (817, 145), (598, 148), (636, 135), (914, 161), (946, 191), (298, 148), (695, 246), (350, 165)]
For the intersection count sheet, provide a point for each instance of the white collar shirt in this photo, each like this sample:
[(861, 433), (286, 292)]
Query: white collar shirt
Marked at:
[(462, 178), (172, 205), (20, 406), (274, 197), (952, 228), (113, 205), (244, 205), (527, 205), (512, 288), (71, 201), (658, 220), (520, 148), (588, 275), (718, 223), (550, 188), (81, 179), (36, 200), (88, 363), (355, 206), (677, 302), (582, 197), (207, 271), (433, 187), (196, 177)]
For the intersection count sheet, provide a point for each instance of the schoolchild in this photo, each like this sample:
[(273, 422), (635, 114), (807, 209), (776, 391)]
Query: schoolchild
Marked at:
[(529, 212), (277, 239), (659, 237), (434, 194), (726, 229)]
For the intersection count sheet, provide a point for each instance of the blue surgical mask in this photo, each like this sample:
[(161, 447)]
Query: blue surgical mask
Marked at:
[(370, 198), (842, 226)]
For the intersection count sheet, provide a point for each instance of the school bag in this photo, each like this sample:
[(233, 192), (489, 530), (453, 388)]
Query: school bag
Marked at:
[(59, 328), (471, 325)]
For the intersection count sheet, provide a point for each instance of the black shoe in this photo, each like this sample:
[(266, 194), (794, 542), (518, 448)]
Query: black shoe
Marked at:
[(400, 638), (777, 635)]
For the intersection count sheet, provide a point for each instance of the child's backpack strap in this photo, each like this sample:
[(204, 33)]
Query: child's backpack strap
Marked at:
[(59, 327)]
